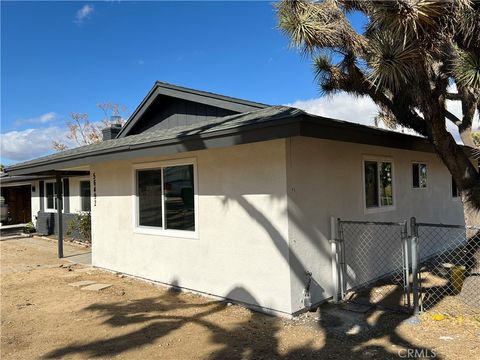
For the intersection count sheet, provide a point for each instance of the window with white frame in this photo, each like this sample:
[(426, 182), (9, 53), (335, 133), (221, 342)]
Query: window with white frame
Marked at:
[(419, 175), (51, 195), (165, 197), (378, 184), (85, 195)]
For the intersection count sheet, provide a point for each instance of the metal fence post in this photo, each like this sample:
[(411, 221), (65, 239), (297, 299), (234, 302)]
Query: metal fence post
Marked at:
[(341, 262), (414, 259), (406, 265), (334, 254)]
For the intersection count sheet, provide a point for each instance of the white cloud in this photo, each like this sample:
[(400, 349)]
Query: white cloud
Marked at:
[(42, 119), (342, 106), (30, 143), (361, 110), (84, 13)]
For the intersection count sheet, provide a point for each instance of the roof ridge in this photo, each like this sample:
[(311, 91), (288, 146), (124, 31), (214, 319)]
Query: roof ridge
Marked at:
[(188, 89)]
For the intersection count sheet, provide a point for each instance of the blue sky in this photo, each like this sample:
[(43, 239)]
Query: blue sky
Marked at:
[(61, 57)]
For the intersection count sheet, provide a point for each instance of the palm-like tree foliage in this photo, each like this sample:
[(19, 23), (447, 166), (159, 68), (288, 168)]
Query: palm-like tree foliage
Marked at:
[(408, 59)]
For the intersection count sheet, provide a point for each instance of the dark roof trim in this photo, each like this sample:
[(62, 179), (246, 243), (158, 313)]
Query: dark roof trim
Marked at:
[(303, 125), (202, 97), (6, 179), (248, 134), (11, 179), (329, 129)]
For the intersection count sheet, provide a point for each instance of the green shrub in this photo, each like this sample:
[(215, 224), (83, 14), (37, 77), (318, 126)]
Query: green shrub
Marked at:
[(29, 228), (81, 226)]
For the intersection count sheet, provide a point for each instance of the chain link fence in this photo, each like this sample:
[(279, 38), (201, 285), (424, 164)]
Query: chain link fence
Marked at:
[(373, 263), (420, 267), (449, 268)]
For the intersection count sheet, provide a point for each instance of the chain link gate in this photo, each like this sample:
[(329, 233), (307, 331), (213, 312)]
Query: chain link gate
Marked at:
[(374, 263), (448, 267), (436, 266)]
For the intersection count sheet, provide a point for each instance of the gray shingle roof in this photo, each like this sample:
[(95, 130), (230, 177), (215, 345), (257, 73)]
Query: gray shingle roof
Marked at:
[(177, 133), (259, 120)]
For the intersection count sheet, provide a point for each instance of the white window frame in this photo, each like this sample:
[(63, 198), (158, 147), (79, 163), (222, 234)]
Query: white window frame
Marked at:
[(160, 231), (379, 208), (45, 202), (411, 177), (80, 192)]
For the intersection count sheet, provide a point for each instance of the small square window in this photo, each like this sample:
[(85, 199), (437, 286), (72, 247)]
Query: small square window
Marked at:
[(419, 175)]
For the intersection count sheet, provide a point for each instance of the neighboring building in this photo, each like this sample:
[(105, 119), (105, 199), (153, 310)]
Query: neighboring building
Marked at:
[(33, 199), (234, 198)]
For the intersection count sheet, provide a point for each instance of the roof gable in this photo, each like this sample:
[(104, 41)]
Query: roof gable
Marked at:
[(166, 101)]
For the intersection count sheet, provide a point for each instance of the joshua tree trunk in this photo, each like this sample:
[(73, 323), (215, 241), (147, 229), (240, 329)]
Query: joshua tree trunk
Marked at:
[(472, 220), (466, 135), (466, 176)]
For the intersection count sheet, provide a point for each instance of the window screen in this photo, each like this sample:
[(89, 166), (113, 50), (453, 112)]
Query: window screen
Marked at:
[(371, 184), (179, 197), (85, 195), (149, 192), (455, 192), (50, 194), (419, 175), (386, 184)]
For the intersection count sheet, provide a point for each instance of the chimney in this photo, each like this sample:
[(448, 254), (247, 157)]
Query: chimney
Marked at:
[(112, 131)]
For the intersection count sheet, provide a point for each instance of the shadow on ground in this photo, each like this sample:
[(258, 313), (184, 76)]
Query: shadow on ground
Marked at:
[(254, 338)]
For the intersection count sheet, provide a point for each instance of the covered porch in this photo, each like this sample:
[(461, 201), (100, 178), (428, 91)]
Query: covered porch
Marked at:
[(54, 202)]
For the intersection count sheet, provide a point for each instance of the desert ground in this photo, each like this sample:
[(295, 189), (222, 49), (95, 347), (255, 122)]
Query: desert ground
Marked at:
[(44, 317)]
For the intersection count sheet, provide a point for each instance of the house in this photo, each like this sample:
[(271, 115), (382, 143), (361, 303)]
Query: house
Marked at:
[(234, 198), (33, 199)]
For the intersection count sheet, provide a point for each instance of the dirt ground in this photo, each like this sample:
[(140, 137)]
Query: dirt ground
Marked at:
[(42, 317)]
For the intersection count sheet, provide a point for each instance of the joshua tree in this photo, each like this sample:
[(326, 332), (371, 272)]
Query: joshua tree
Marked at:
[(412, 56)]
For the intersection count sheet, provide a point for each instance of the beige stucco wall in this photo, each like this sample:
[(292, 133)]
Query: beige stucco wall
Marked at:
[(264, 214), (241, 251), (325, 179)]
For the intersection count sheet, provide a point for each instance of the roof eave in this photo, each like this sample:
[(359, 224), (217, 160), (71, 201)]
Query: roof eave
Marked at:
[(223, 138), (301, 125)]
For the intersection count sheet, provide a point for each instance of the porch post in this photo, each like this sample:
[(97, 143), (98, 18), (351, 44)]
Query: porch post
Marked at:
[(60, 215)]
